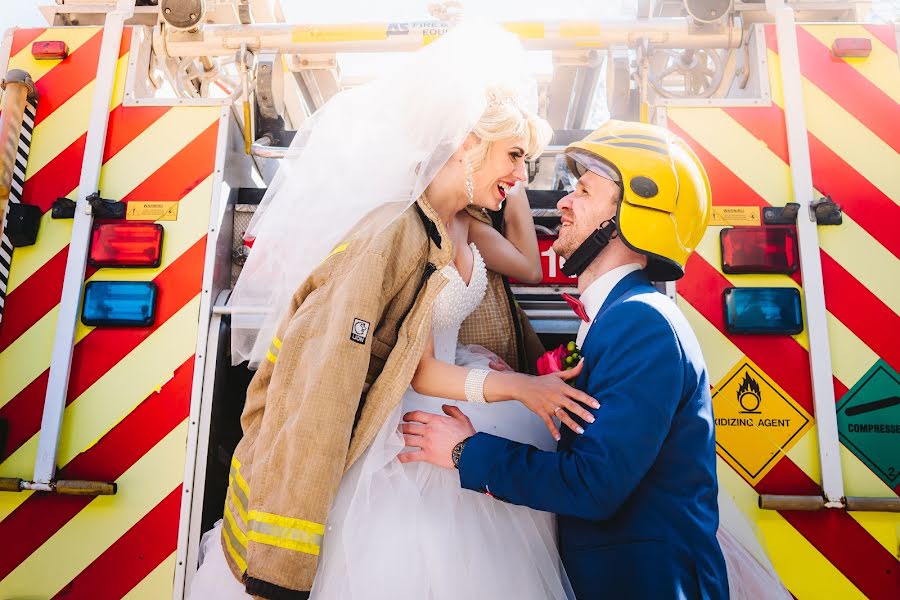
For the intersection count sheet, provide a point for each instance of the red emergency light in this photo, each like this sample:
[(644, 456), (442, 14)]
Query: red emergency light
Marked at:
[(759, 250), (50, 50), (126, 245), (851, 47)]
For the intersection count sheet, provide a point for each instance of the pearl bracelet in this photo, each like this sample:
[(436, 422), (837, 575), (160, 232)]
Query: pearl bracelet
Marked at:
[(475, 385)]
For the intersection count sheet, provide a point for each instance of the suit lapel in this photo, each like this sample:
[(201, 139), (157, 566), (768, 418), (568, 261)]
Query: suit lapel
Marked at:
[(627, 283)]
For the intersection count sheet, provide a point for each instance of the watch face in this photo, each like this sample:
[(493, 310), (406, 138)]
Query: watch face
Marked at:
[(457, 452)]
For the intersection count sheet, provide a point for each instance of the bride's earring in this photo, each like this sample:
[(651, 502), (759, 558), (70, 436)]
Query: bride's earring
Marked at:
[(470, 185)]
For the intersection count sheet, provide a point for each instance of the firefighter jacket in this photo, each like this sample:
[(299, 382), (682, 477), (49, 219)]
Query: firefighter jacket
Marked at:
[(341, 360)]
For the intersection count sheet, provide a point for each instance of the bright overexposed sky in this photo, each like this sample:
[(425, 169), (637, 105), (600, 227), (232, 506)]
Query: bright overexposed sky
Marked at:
[(24, 13)]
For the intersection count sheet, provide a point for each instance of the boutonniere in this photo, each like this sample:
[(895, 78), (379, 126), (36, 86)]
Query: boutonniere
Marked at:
[(563, 358)]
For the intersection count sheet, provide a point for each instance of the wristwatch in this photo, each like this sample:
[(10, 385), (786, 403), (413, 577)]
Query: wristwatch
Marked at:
[(457, 451)]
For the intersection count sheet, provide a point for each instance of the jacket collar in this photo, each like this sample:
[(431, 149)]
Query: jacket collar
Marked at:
[(631, 280), (440, 247)]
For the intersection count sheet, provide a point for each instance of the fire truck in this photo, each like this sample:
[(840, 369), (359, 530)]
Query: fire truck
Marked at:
[(138, 137)]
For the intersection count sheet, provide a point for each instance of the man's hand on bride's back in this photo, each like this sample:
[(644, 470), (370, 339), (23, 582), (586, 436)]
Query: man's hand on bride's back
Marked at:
[(498, 364), (550, 396)]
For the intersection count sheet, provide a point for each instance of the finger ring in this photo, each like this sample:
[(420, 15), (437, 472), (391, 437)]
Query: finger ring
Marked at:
[(556, 410)]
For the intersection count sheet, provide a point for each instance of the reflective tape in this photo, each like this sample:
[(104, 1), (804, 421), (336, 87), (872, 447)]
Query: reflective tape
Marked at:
[(242, 525), (305, 536), (238, 478), (274, 348), (237, 552)]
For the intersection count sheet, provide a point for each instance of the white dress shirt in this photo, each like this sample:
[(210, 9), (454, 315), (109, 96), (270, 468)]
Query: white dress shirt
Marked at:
[(596, 293)]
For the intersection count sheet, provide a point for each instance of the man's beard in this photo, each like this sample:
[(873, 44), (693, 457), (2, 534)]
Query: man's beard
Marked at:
[(563, 246)]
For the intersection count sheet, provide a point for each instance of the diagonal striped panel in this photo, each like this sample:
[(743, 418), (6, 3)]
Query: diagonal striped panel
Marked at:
[(782, 541), (173, 171), (170, 174), (101, 349), (742, 171), (860, 481), (786, 547), (871, 208), (74, 37), (783, 479), (22, 39), (844, 133), (34, 518), (868, 566), (719, 363), (142, 487), (724, 182), (836, 534), (158, 584), (764, 175), (857, 357), (70, 76), (885, 33), (114, 421), (863, 92), (880, 67), (132, 557)]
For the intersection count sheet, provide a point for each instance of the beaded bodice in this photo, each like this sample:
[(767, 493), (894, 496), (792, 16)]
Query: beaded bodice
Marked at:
[(454, 303)]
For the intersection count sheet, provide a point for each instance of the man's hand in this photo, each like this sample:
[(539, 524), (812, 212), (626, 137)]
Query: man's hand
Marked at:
[(499, 365), (495, 363), (434, 436)]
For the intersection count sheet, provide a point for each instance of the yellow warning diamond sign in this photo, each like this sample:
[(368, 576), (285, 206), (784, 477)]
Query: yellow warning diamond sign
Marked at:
[(756, 421)]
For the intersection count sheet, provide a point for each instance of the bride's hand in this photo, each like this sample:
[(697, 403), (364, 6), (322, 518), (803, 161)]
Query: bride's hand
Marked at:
[(549, 395)]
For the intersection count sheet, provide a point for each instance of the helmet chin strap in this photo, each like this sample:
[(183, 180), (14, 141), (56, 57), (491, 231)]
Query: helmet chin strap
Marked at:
[(585, 254)]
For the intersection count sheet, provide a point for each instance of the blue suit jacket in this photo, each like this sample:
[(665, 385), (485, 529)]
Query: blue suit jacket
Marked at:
[(636, 494)]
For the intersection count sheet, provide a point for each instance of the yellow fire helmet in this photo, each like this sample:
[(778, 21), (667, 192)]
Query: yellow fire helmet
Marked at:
[(664, 205)]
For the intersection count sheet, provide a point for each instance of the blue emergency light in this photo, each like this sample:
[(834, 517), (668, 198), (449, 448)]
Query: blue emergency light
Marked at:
[(119, 303), (763, 310)]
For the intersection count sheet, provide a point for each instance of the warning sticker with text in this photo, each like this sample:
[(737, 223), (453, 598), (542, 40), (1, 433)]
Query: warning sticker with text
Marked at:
[(734, 215), (756, 421), (152, 211)]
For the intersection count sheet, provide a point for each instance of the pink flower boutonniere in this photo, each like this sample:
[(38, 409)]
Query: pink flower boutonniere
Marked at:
[(562, 358)]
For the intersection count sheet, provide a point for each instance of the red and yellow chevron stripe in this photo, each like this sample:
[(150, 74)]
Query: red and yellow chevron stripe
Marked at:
[(852, 113), (130, 389)]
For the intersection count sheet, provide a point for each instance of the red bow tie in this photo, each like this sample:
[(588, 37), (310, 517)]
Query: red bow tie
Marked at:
[(577, 306)]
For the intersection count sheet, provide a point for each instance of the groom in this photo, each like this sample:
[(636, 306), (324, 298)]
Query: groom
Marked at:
[(636, 492)]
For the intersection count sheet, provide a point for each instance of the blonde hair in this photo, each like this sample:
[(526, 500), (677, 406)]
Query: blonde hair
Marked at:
[(504, 118)]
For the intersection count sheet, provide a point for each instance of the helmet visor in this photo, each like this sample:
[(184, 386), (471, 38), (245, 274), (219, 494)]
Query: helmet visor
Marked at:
[(580, 162)]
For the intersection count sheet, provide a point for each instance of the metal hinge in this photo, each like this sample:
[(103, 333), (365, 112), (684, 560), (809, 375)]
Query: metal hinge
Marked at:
[(825, 210)]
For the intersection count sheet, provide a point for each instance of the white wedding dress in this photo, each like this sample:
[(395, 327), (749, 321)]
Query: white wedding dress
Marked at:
[(409, 531)]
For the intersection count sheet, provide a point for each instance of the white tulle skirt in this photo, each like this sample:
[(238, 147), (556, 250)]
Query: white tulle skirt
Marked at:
[(410, 532), (400, 531), (750, 574)]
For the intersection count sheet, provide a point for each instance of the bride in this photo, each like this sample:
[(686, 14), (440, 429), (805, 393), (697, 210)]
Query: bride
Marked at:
[(408, 530)]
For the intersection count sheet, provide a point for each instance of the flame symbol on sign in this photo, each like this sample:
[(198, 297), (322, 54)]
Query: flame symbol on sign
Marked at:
[(749, 395)]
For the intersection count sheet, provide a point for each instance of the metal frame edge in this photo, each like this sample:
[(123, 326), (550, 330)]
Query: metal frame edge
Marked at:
[(188, 526)]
